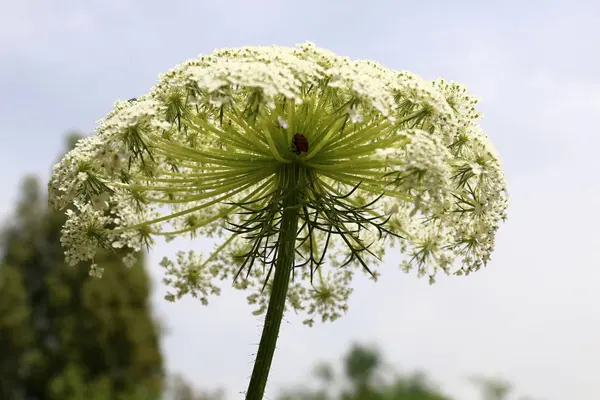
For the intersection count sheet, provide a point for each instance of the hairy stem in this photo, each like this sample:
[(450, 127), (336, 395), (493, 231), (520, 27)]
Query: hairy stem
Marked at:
[(281, 281)]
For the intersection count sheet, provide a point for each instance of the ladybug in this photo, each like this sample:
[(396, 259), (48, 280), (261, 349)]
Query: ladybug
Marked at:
[(299, 144)]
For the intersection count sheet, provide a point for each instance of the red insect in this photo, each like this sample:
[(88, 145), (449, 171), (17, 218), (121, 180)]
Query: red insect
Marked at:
[(299, 144)]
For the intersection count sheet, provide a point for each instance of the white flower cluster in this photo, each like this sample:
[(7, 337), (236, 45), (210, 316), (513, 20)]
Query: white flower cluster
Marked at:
[(83, 232), (390, 158)]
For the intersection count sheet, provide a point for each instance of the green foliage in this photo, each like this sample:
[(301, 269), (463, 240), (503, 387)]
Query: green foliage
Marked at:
[(364, 372), (180, 389), (63, 334), (15, 333), (492, 389), (364, 379)]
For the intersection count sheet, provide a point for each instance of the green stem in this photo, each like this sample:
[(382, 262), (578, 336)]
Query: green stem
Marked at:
[(281, 281)]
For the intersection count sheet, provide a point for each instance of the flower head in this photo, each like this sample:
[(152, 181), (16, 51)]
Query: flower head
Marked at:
[(391, 159)]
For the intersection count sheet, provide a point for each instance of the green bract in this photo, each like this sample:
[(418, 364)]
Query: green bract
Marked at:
[(392, 159)]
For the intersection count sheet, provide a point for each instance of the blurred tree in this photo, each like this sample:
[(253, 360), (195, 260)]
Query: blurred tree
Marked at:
[(15, 333), (64, 335), (492, 389), (364, 379), (179, 389)]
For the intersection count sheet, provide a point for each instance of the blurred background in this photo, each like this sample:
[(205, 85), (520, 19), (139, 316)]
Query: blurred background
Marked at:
[(530, 321)]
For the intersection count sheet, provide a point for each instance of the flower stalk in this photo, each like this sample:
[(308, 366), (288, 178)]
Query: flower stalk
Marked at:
[(283, 270)]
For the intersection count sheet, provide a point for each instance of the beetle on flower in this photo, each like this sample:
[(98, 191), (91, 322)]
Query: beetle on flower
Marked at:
[(299, 144), (393, 160)]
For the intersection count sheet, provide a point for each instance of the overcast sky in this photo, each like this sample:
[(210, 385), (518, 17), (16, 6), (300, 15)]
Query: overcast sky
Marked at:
[(533, 316)]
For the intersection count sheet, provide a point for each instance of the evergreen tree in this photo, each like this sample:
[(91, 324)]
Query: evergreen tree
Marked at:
[(63, 334), (15, 333)]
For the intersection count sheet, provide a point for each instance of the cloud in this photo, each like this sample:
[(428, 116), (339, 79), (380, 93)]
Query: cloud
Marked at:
[(25, 23)]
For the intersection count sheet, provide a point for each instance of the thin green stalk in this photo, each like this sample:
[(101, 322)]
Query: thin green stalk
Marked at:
[(281, 280)]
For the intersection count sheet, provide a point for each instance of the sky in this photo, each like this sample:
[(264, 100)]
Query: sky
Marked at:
[(532, 316)]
